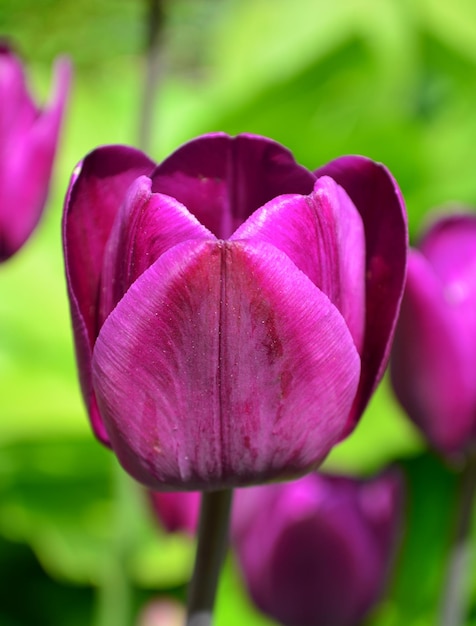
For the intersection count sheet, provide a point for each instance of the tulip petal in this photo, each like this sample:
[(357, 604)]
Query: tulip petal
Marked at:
[(177, 512), (319, 557), (17, 109), (323, 235), (223, 365), (377, 197), (304, 545), (223, 179), (433, 362), (96, 192), (381, 503), (146, 226), (450, 247), (28, 144)]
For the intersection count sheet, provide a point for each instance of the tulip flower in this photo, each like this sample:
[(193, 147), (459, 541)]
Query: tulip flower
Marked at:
[(28, 139), (434, 358), (232, 310), (176, 511), (318, 550), (162, 612)]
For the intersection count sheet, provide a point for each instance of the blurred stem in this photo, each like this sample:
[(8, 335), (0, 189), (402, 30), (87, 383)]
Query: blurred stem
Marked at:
[(455, 593), (211, 549), (155, 21), (114, 599)]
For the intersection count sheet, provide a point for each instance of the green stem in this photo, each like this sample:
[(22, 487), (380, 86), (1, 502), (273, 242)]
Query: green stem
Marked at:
[(211, 549), (455, 594), (155, 21)]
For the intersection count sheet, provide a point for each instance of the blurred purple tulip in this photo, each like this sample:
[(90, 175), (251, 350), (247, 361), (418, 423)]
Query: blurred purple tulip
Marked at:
[(176, 511), (318, 550), (232, 311), (28, 139), (434, 356)]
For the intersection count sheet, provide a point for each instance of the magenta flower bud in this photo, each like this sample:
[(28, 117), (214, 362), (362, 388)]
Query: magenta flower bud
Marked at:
[(434, 358), (176, 511), (28, 139), (318, 550), (232, 311)]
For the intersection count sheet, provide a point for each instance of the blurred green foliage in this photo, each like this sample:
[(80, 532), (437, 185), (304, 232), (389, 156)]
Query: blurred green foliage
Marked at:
[(392, 79)]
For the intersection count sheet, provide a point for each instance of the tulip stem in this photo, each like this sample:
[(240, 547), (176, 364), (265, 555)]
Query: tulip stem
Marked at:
[(211, 549), (155, 22), (455, 593)]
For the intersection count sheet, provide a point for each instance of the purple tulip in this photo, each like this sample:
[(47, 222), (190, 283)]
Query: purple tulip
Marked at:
[(176, 511), (318, 550), (434, 358), (232, 311), (28, 139)]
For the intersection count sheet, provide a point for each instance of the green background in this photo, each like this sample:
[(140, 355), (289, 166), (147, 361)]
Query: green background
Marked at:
[(392, 79)]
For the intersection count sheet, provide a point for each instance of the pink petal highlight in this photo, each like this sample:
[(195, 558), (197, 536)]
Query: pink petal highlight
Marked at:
[(450, 247)]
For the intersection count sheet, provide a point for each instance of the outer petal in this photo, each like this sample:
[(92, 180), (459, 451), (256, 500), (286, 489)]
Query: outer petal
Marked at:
[(304, 546), (17, 110), (450, 247), (323, 235), (96, 192), (176, 511), (377, 197), (223, 365), (433, 361), (381, 504), (223, 179), (28, 143), (146, 226), (332, 557)]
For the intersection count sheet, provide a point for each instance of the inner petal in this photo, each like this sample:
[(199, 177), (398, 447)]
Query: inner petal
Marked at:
[(146, 226), (324, 236), (223, 179)]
